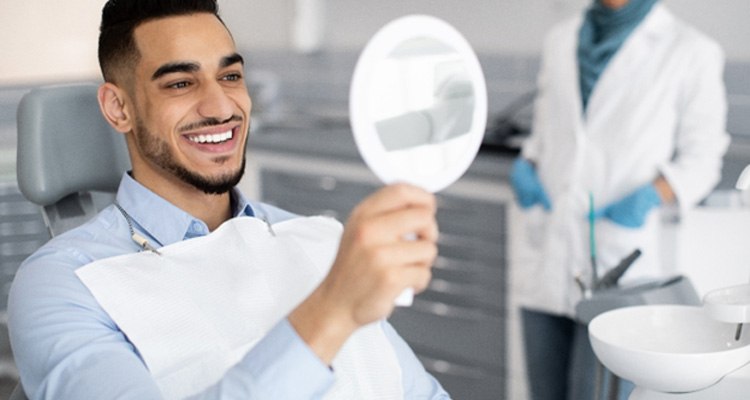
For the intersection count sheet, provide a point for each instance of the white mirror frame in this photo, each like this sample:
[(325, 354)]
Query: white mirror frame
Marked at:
[(383, 43)]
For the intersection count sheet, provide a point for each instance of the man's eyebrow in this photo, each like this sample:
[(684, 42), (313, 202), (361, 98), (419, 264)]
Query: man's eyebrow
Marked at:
[(175, 67), (232, 59), (192, 66)]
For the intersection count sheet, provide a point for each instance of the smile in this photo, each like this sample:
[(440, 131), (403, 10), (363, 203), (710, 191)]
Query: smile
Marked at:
[(214, 138)]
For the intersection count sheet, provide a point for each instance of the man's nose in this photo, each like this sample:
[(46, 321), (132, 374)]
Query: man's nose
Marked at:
[(215, 103)]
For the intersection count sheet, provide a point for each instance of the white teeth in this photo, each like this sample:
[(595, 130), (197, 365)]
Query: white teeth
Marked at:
[(215, 138)]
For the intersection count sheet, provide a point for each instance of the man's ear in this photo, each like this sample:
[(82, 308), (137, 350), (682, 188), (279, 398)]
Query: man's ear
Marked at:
[(114, 107)]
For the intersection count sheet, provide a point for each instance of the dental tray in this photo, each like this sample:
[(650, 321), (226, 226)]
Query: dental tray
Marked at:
[(673, 290)]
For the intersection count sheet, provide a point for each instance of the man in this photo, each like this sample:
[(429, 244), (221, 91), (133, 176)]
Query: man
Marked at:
[(630, 119), (174, 87)]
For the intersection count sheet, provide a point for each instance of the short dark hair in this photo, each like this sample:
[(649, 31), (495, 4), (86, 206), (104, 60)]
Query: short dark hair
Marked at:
[(120, 18)]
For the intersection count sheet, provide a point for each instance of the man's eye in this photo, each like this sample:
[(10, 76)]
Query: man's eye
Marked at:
[(178, 85), (232, 77)]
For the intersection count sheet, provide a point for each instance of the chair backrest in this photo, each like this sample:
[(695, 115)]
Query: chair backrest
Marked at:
[(69, 159)]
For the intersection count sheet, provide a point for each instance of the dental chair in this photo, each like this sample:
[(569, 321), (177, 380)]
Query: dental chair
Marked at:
[(69, 160)]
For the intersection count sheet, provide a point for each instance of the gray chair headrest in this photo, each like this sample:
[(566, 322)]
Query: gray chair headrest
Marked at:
[(65, 146)]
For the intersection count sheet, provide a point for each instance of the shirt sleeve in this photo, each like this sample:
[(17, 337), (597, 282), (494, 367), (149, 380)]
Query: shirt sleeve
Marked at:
[(542, 122), (65, 346), (701, 138)]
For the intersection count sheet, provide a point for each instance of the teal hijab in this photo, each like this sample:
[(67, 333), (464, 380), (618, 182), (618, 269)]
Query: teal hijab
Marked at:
[(601, 35)]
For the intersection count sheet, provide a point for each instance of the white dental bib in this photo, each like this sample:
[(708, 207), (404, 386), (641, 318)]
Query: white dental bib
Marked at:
[(195, 310)]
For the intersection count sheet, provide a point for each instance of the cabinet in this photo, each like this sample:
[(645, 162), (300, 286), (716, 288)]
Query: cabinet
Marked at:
[(458, 327)]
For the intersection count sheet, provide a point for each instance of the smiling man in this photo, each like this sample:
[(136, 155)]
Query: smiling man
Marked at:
[(186, 104), (288, 307)]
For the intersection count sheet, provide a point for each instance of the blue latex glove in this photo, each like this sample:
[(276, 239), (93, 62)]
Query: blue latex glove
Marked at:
[(526, 185), (632, 210)]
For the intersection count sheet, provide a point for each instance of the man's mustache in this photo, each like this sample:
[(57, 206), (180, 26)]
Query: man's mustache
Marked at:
[(209, 122)]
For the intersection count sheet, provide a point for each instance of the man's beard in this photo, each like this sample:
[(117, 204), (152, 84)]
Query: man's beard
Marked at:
[(158, 152)]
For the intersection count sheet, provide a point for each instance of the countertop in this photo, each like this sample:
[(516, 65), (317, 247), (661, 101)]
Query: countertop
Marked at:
[(337, 143)]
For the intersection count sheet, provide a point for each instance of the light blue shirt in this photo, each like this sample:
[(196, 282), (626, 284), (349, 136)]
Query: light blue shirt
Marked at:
[(67, 347)]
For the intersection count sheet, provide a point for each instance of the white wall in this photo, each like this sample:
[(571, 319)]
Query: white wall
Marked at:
[(56, 40), (48, 40), (497, 26), (490, 25)]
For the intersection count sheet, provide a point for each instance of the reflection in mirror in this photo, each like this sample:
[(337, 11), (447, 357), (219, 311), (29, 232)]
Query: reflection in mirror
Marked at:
[(422, 95), (418, 103)]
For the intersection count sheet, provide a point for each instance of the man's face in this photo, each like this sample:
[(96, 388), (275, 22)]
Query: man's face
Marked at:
[(192, 108)]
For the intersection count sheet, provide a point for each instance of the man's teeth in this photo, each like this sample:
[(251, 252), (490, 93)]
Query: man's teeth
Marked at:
[(215, 138)]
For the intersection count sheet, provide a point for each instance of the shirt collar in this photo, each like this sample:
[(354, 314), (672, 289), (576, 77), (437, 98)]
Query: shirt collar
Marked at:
[(242, 206), (148, 212)]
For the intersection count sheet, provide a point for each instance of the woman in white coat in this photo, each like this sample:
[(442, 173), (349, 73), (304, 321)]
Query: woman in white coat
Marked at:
[(631, 113)]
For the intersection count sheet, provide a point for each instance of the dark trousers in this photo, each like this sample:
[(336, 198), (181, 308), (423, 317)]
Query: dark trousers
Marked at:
[(559, 360)]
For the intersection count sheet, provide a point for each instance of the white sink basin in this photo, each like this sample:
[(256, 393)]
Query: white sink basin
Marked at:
[(730, 304), (668, 348)]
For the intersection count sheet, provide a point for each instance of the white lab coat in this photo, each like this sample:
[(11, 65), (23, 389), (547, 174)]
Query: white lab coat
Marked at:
[(659, 107)]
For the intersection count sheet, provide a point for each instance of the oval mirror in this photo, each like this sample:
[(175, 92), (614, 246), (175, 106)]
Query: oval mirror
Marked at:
[(418, 103)]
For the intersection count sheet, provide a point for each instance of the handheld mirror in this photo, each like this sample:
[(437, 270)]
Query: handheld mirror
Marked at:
[(418, 104)]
